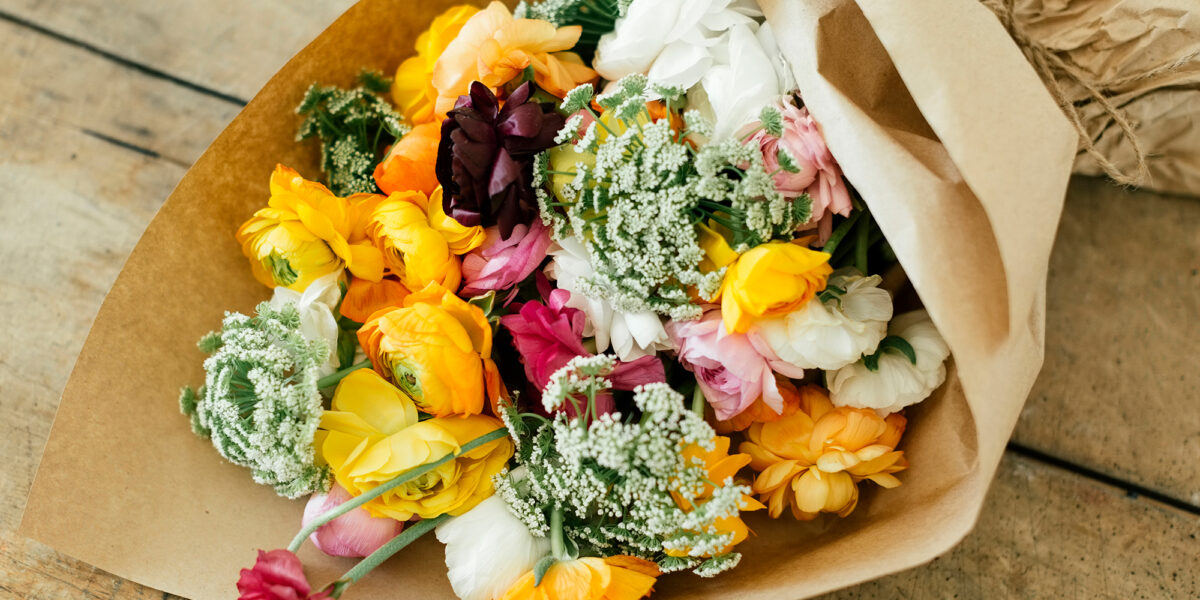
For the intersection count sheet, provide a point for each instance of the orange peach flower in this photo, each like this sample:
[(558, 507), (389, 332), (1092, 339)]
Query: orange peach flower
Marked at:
[(419, 243), (495, 48), (412, 88), (720, 466), (610, 578), (813, 459), (409, 164), (437, 348), (364, 298)]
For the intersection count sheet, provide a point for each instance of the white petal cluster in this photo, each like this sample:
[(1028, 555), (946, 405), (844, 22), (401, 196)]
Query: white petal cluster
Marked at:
[(317, 319), (897, 382), (631, 335), (720, 51), (835, 329), (487, 549)]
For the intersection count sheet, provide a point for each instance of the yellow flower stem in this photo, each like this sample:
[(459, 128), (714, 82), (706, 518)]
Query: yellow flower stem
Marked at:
[(333, 378), (385, 552), (390, 485)]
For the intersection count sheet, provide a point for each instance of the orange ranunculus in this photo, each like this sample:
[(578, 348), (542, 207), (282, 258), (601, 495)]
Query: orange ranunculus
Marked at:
[(760, 412), (437, 348), (409, 164), (494, 48), (610, 578), (306, 232), (364, 298), (720, 466), (419, 242), (412, 88), (813, 459)]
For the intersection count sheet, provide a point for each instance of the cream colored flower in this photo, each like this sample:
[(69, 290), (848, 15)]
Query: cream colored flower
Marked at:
[(896, 381), (315, 305)]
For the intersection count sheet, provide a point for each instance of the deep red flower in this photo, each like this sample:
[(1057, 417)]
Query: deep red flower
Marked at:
[(277, 575), (485, 159)]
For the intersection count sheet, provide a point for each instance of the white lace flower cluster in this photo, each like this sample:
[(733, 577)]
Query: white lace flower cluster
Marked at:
[(260, 404), (614, 479)]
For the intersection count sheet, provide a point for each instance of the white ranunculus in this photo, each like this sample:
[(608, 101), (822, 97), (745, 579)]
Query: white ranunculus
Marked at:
[(317, 321), (669, 41), (742, 80), (898, 382), (488, 549), (832, 334), (631, 335)]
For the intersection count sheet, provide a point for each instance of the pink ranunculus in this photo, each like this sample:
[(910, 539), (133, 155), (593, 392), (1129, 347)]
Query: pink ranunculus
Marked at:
[(355, 533), (731, 371), (276, 575), (548, 336), (502, 263), (819, 176)]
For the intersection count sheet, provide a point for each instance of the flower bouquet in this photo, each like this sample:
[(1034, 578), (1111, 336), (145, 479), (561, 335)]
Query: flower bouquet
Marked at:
[(590, 291)]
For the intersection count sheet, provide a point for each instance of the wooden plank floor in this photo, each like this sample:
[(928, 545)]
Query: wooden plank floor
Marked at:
[(104, 104)]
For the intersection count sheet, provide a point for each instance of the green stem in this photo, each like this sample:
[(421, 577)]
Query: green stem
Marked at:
[(333, 379), (698, 400), (390, 485), (385, 552), (861, 246), (557, 548), (842, 229)]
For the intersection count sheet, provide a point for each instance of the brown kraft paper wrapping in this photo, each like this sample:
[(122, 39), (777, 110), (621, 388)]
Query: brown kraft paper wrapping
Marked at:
[(935, 117)]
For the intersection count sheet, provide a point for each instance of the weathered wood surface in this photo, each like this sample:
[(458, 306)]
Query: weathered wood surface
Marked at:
[(105, 105)]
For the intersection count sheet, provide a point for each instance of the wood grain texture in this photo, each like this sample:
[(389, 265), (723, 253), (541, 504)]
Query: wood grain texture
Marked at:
[(90, 147)]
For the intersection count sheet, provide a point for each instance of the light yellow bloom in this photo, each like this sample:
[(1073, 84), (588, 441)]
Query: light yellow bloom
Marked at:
[(372, 434), (419, 243), (438, 349), (610, 578), (306, 232), (494, 48), (813, 459), (720, 466), (774, 278), (412, 89)]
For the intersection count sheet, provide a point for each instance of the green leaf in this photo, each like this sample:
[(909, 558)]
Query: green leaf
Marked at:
[(891, 342), (485, 302), (539, 570)]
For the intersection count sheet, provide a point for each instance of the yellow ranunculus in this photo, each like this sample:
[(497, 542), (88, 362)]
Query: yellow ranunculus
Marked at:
[(412, 89), (774, 278), (419, 242), (610, 578), (717, 251), (720, 466), (373, 434), (306, 232), (813, 459), (494, 48), (438, 349)]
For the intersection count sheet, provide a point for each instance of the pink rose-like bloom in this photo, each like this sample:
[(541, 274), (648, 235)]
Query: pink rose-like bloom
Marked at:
[(353, 534), (502, 263), (548, 336), (277, 575), (729, 367), (820, 176)]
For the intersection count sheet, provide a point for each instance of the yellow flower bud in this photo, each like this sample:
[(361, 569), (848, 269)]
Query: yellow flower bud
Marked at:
[(771, 279)]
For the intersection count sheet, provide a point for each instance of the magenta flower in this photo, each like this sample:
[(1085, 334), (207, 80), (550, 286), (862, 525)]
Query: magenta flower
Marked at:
[(485, 159), (547, 336), (277, 575), (353, 534), (820, 176), (502, 263), (730, 370)]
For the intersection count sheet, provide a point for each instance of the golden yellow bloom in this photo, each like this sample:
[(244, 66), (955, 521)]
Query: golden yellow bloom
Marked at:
[(372, 434), (419, 243), (412, 89), (438, 349), (814, 458), (717, 251), (720, 465), (771, 279), (610, 578), (306, 232), (494, 48)]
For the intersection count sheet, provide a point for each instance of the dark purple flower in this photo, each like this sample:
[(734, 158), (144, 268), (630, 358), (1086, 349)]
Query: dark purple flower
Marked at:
[(485, 160)]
